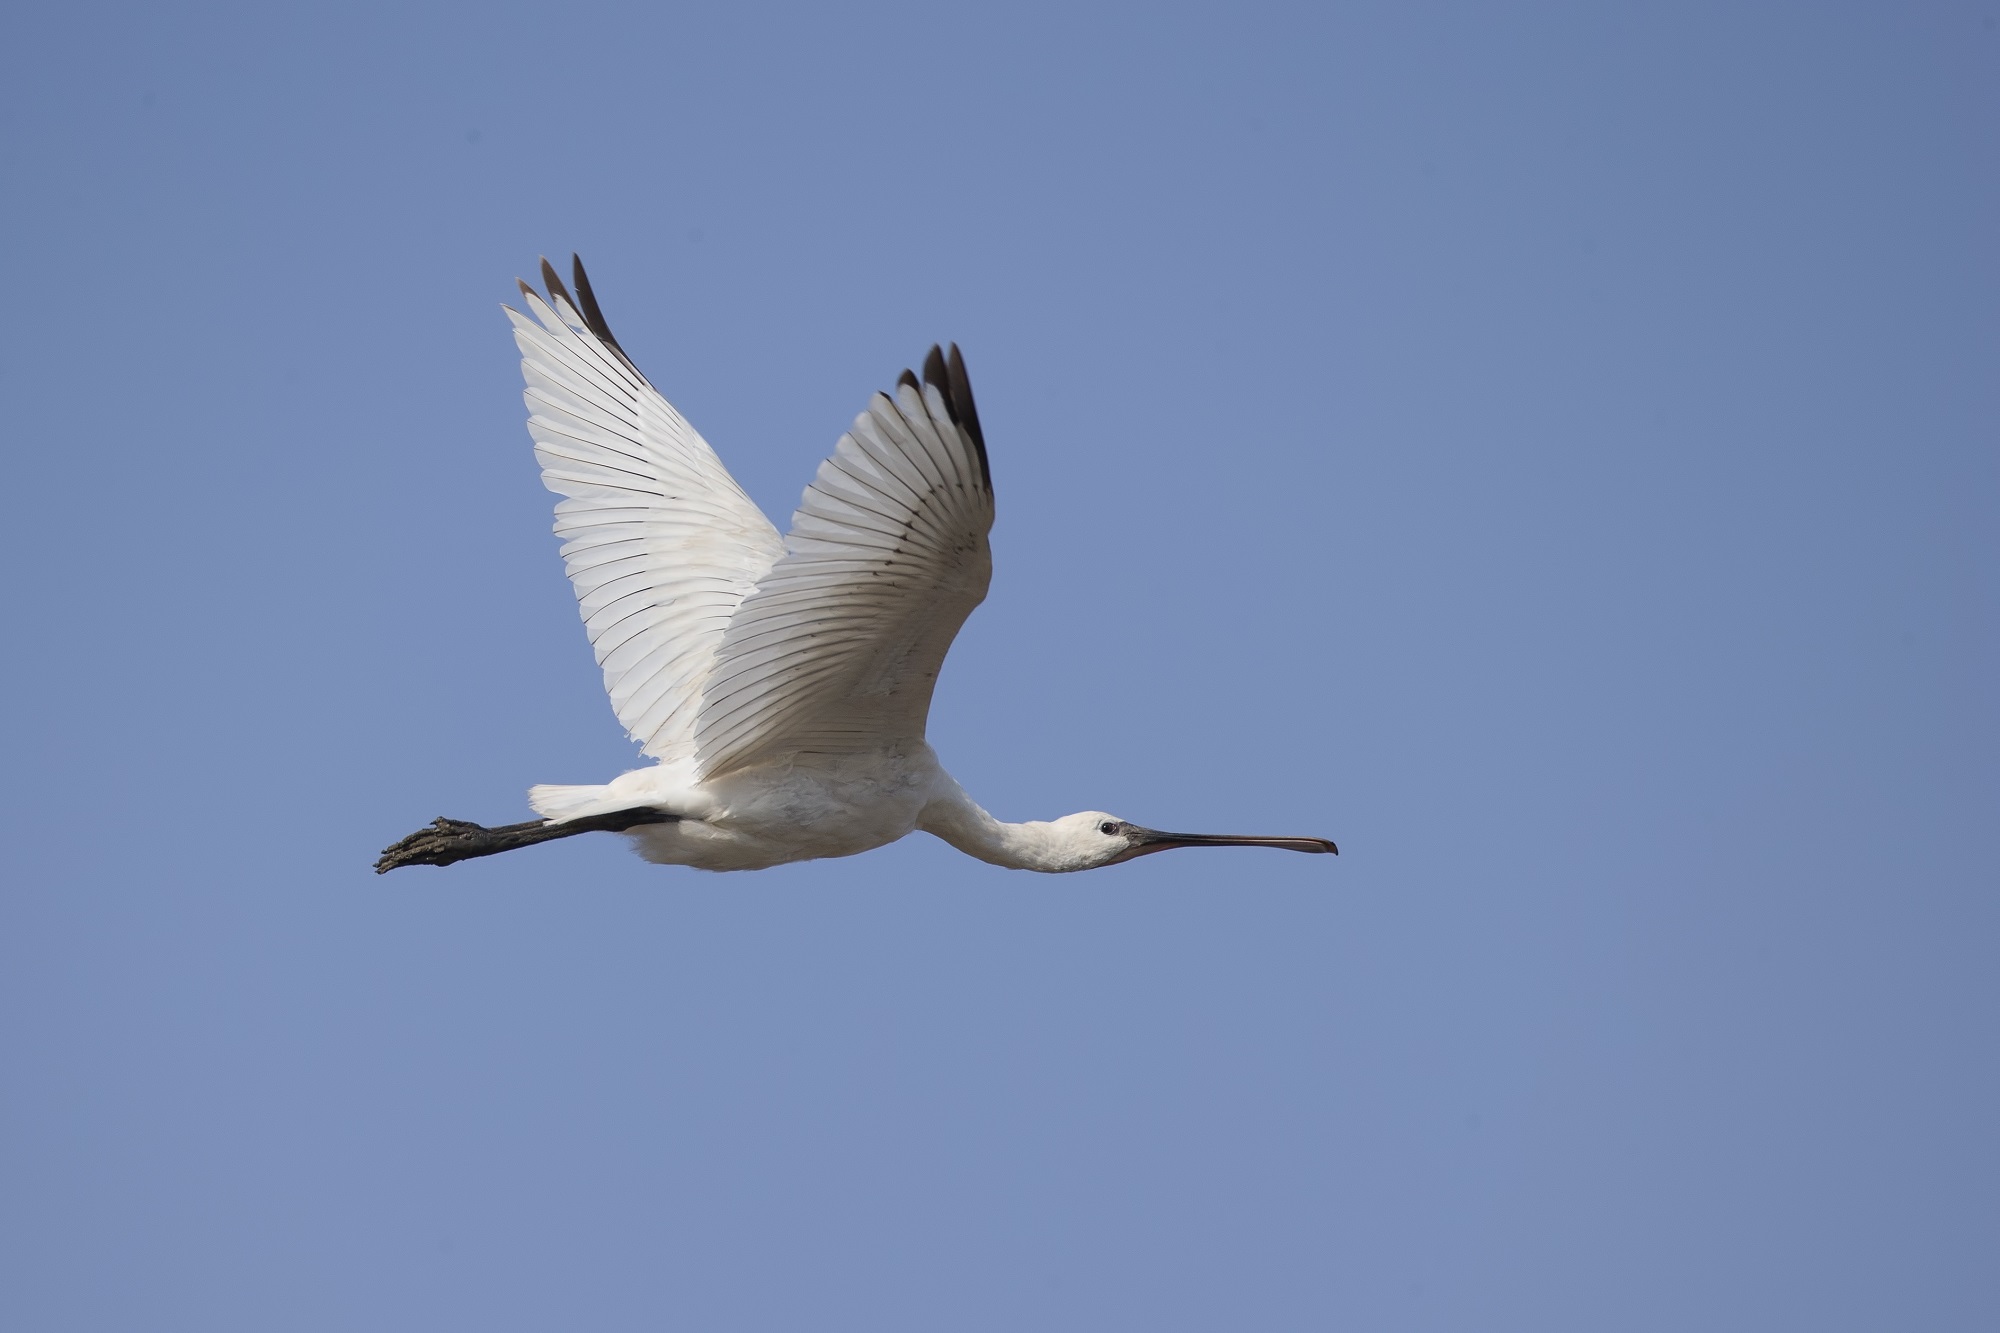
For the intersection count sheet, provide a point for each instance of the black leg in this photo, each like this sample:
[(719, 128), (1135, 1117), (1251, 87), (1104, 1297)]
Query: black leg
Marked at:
[(449, 840)]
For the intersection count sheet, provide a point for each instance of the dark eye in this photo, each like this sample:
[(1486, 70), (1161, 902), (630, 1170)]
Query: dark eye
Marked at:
[(1107, 827)]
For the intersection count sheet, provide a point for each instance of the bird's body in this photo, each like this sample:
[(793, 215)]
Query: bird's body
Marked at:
[(782, 685), (796, 808), (809, 806)]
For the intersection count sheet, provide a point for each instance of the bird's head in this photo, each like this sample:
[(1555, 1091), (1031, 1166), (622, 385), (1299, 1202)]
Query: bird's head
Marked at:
[(1093, 839)]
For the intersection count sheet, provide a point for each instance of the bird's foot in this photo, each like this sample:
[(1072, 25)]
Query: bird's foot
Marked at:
[(441, 843), (449, 840)]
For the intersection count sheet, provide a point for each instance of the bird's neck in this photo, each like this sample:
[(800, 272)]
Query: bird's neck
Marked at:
[(960, 821)]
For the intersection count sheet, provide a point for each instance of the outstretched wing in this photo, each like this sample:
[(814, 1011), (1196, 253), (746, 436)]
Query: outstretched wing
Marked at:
[(659, 541), (838, 649)]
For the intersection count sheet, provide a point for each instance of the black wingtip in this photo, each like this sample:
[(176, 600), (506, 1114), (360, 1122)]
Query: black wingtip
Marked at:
[(554, 284), (949, 378), (908, 380), (587, 307), (956, 386)]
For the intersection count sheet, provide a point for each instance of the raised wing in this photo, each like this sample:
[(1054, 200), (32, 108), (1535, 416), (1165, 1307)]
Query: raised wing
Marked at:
[(838, 649), (659, 541)]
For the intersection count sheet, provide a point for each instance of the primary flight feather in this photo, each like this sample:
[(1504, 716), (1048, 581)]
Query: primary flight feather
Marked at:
[(781, 684)]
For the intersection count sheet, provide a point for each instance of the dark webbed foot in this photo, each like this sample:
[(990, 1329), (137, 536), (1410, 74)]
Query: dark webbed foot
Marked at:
[(449, 840), (446, 841)]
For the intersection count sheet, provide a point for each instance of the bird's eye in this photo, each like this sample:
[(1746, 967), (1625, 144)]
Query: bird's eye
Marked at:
[(1107, 827)]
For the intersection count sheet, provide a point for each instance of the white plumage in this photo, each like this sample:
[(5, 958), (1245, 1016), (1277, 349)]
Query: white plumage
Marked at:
[(782, 684)]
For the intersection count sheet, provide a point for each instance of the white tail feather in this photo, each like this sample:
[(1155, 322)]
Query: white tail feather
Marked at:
[(564, 803)]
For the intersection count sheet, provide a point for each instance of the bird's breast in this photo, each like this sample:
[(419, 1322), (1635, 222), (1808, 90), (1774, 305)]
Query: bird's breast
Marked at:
[(800, 808)]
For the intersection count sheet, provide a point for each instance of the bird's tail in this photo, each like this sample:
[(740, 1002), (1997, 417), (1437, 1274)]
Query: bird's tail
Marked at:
[(565, 803), (662, 787)]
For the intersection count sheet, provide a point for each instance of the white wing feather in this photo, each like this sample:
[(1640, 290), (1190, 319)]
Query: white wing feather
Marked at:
[(839, 647), (660, 543)]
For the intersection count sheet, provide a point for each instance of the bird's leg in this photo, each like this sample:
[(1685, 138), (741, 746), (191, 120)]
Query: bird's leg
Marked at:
[(449, 840)]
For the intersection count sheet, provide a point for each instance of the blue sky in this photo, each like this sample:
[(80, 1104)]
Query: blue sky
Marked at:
[(1550, 450)]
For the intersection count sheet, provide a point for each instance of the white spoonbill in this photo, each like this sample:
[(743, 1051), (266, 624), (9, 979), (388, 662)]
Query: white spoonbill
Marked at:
[(782, 685)]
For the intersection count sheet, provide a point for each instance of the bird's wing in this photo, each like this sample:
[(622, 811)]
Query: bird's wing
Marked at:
[(837, 650), (659, 541)]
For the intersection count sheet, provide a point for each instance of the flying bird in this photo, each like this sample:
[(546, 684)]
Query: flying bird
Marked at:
[(781, 684)]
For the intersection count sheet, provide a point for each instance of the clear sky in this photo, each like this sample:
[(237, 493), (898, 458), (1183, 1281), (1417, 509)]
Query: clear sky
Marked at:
[(1550, 448)]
